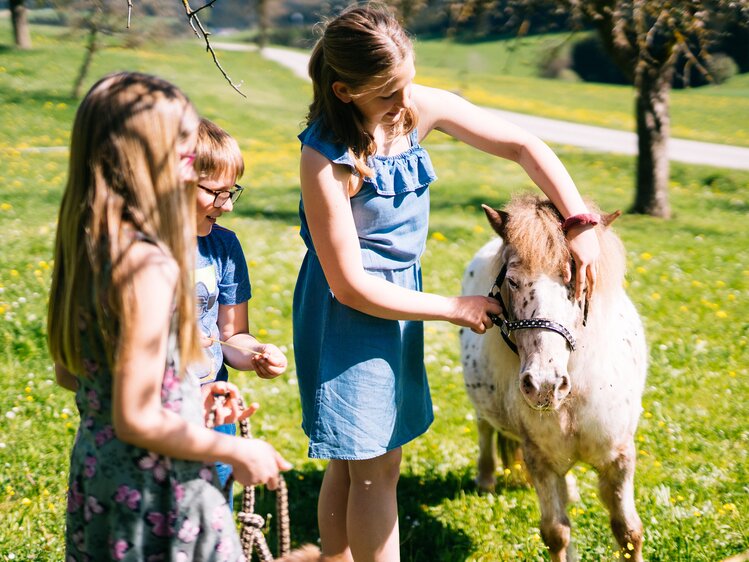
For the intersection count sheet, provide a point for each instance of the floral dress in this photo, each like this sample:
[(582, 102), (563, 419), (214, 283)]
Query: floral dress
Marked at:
[(128, 503)]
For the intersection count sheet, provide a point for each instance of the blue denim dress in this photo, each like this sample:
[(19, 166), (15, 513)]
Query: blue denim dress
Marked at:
[(362, 380)]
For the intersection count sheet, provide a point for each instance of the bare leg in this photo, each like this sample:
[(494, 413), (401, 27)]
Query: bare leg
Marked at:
[(616, 485), (331, 512), (486, 479), (372, 518), (552, 496)]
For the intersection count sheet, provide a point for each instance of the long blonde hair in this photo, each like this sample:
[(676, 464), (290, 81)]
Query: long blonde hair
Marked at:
[(363, 45), (123, 174)]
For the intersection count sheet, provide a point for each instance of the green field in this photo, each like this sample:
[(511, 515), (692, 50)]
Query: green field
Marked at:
[(689, 278)]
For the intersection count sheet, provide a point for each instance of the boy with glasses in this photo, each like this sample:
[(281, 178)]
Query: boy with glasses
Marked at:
[(221, 278)]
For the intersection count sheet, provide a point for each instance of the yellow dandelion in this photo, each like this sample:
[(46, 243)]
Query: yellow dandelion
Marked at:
[(627, 555), (69, 425), (720, 283), (732, 374), (517, 466), (731, 297), (696, 283), (64, 416), (657, 464), (536, 537), (45, 492), (697, 513), (507, 471), (5, 206), (51, 507), (9, 490), (655, 296), (661, 423), (439, 237), (640, 269), (62, 105), (478, 229), (630, 546), (729, 506), (27, 390), (29, 398), (684, 308), (2, 309), (26, 501), (14, 273), (648, 415), (262, 332), (721, 314), (647, 256), (617, 555)]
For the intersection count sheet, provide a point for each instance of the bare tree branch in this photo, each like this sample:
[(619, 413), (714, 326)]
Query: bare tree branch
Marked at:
[(197, 27)]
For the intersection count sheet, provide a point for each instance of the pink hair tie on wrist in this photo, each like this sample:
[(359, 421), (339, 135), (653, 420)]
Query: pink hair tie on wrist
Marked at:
[(583, 219)]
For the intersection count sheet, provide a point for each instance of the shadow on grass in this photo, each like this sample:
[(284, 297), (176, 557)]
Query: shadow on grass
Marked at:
[(37, 97), (423, 537)]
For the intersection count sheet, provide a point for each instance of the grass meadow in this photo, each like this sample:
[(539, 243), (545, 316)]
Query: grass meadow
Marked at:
[(688, 276)]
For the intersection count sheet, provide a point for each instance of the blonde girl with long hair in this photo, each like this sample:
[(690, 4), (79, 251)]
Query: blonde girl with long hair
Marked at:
[(358, 304), (121, 329)]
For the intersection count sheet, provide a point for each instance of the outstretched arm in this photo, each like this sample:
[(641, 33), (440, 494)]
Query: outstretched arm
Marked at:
[(328, 211), (484, 130), (244, 351)]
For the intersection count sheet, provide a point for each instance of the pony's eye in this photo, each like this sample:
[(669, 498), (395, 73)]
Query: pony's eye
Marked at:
[(513, 284)]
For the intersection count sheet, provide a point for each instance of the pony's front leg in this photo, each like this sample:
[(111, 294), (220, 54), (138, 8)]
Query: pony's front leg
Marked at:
[(487, 465), (617, 489), (552, 496)]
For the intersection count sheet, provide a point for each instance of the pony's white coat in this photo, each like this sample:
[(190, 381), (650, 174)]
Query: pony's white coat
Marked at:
[(594, 422)]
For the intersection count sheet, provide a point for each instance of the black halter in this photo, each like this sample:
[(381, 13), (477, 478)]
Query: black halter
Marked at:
[(506, 327)]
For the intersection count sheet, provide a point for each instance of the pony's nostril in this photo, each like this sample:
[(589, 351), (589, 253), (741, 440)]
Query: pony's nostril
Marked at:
[(527, 384), (564, 384)]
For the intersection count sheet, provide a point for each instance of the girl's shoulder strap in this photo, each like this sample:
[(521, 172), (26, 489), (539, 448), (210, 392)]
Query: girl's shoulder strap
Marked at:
[(318, 137)]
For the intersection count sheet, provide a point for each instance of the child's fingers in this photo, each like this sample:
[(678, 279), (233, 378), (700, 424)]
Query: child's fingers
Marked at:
[(282, 463), (248, 411)]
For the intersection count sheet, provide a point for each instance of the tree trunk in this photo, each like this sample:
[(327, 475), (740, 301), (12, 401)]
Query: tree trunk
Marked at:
[(91, 49), (21, 33), (652, 91), (262, 23)]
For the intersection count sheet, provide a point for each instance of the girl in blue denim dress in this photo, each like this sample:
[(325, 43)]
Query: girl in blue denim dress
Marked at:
[(358, 303)]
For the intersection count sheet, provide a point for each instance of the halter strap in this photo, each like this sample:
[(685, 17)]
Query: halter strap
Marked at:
[(506, 327)]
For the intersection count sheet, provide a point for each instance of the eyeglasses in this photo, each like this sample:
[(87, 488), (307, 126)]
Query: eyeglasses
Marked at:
[(189, 156), (221, 197)]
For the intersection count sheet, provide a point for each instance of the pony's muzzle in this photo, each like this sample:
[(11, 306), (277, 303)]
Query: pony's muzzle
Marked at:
[(546, 394)]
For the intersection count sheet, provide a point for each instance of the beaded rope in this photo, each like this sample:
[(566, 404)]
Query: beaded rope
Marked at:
[(251, 535)]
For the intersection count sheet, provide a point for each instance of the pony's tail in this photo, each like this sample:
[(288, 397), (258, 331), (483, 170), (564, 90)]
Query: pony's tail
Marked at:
[(307, 553)]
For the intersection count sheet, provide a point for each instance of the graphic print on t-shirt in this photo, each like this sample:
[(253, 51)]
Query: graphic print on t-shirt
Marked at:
[(206, 289)]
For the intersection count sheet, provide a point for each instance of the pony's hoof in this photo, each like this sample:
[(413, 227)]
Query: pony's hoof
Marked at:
[(485, 485)]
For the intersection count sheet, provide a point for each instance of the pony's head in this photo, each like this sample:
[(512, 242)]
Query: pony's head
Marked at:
[(540, 306)]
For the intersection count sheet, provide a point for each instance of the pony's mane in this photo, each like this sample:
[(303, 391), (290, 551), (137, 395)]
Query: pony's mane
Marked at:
[(533, 229)]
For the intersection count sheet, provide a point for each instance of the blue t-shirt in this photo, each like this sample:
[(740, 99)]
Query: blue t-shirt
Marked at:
[(221, 277)]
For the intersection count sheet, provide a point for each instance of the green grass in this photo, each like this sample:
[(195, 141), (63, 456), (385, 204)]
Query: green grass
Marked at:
[(503, 74), (688, 277)]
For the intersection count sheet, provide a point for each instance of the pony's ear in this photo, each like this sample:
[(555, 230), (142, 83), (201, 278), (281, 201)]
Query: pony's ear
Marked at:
[(497, 218), (606, 220)]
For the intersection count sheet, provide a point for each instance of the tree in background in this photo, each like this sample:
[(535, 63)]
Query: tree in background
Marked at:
[(645, 39), (21, 35)]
